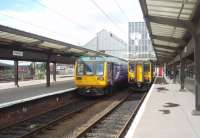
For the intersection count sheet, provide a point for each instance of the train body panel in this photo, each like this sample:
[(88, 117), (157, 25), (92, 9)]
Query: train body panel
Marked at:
[(98, 75), (148, 72)]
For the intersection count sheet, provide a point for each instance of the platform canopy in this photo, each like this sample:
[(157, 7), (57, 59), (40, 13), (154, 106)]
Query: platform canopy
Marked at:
[(22, 45), (169, 23)]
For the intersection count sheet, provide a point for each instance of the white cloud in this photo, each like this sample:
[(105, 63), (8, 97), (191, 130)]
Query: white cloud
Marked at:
[(82, 12)]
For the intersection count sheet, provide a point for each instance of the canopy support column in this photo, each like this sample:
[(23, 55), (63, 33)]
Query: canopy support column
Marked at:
[(197, 74), (174, 73), (47, 74), (54, 71), (16, 73), (182, 73)]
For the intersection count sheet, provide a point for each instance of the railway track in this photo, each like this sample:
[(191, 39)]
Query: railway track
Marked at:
[(29, 127), (114, 123)]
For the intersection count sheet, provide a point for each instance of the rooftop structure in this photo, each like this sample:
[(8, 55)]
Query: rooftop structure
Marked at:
[(108, 43)]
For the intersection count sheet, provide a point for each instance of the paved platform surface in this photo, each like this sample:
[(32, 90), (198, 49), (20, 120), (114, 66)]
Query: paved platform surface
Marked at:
[(8, 85), (28, 91), (166, 113)]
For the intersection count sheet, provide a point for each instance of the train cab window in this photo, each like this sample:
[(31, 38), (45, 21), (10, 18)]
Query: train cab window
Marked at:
[(146, 67), (80, 69), (132, 67), (99, 69), (89, 68)]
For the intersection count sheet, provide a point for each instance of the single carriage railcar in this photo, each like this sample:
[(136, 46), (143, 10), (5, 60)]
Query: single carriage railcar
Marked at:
[(99, 75)]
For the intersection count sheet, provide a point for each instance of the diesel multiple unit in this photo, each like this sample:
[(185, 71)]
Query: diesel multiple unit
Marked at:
[(140, 73), (99, 75)]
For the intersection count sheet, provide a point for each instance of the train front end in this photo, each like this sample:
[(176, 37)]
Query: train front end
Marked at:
[(91, 76), (140, 73)]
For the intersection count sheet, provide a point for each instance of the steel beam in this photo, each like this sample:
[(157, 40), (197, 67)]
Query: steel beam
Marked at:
[(174, 73), (62, 59), (32, 55), (196, 16), (182, 73), (36, 43), (196, 40), (47, 74), (54, 71), (164, 56), (165, 47), (33, 70), (165, 52), (171, 22), (16, 73), (170, 39)]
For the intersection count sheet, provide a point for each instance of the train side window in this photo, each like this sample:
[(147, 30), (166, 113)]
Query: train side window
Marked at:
[(80, 69), (110, 70)]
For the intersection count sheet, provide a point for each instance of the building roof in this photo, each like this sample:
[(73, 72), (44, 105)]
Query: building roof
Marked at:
[(169, 23)]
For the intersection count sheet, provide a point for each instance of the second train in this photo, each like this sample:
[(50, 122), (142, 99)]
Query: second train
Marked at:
[(140, 73)]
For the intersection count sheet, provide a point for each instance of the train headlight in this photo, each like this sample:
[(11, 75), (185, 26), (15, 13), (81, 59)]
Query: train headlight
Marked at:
[(100, 78)]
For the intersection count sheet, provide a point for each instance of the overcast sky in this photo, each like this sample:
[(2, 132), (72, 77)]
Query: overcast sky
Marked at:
[(72, 21)]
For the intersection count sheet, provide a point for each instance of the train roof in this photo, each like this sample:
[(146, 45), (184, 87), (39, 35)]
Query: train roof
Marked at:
[(102, 59), (141, 60)]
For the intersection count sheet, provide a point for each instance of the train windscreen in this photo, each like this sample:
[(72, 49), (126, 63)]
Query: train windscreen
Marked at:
[(89, 68), (146, 67), (99, 69)]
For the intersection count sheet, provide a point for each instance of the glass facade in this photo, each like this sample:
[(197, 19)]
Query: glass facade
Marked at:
[(139, 41)]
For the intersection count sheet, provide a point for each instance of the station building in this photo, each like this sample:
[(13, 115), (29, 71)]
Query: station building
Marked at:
[(108, 43)]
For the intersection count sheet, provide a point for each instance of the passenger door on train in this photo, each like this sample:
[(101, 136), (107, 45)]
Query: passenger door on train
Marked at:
[(139, 72), (110, 73)]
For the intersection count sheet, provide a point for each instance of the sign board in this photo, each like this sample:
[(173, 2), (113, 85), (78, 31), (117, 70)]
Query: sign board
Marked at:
[(18, 53)]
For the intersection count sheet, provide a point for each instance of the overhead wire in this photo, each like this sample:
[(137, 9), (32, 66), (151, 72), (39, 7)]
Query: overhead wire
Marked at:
[(122, 11), (63, 16), (70, 20), (107, 16), (34, 25)]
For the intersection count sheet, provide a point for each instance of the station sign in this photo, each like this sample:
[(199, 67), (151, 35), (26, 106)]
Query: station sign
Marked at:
[(18, 53)]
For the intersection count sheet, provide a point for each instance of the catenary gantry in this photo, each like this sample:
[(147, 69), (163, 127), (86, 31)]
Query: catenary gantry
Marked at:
[(174, 28), (20, 45)]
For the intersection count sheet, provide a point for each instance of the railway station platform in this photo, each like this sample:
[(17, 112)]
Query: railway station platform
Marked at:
[(30, 90), (166, 113)]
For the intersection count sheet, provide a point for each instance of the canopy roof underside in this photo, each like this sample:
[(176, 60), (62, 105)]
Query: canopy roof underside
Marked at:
[(165, 21)]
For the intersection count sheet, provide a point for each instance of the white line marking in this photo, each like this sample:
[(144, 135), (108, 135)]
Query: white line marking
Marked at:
[(3, 105), (139, 114)]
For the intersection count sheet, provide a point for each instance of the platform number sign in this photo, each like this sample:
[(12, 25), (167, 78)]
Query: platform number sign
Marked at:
[(18, 53)]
